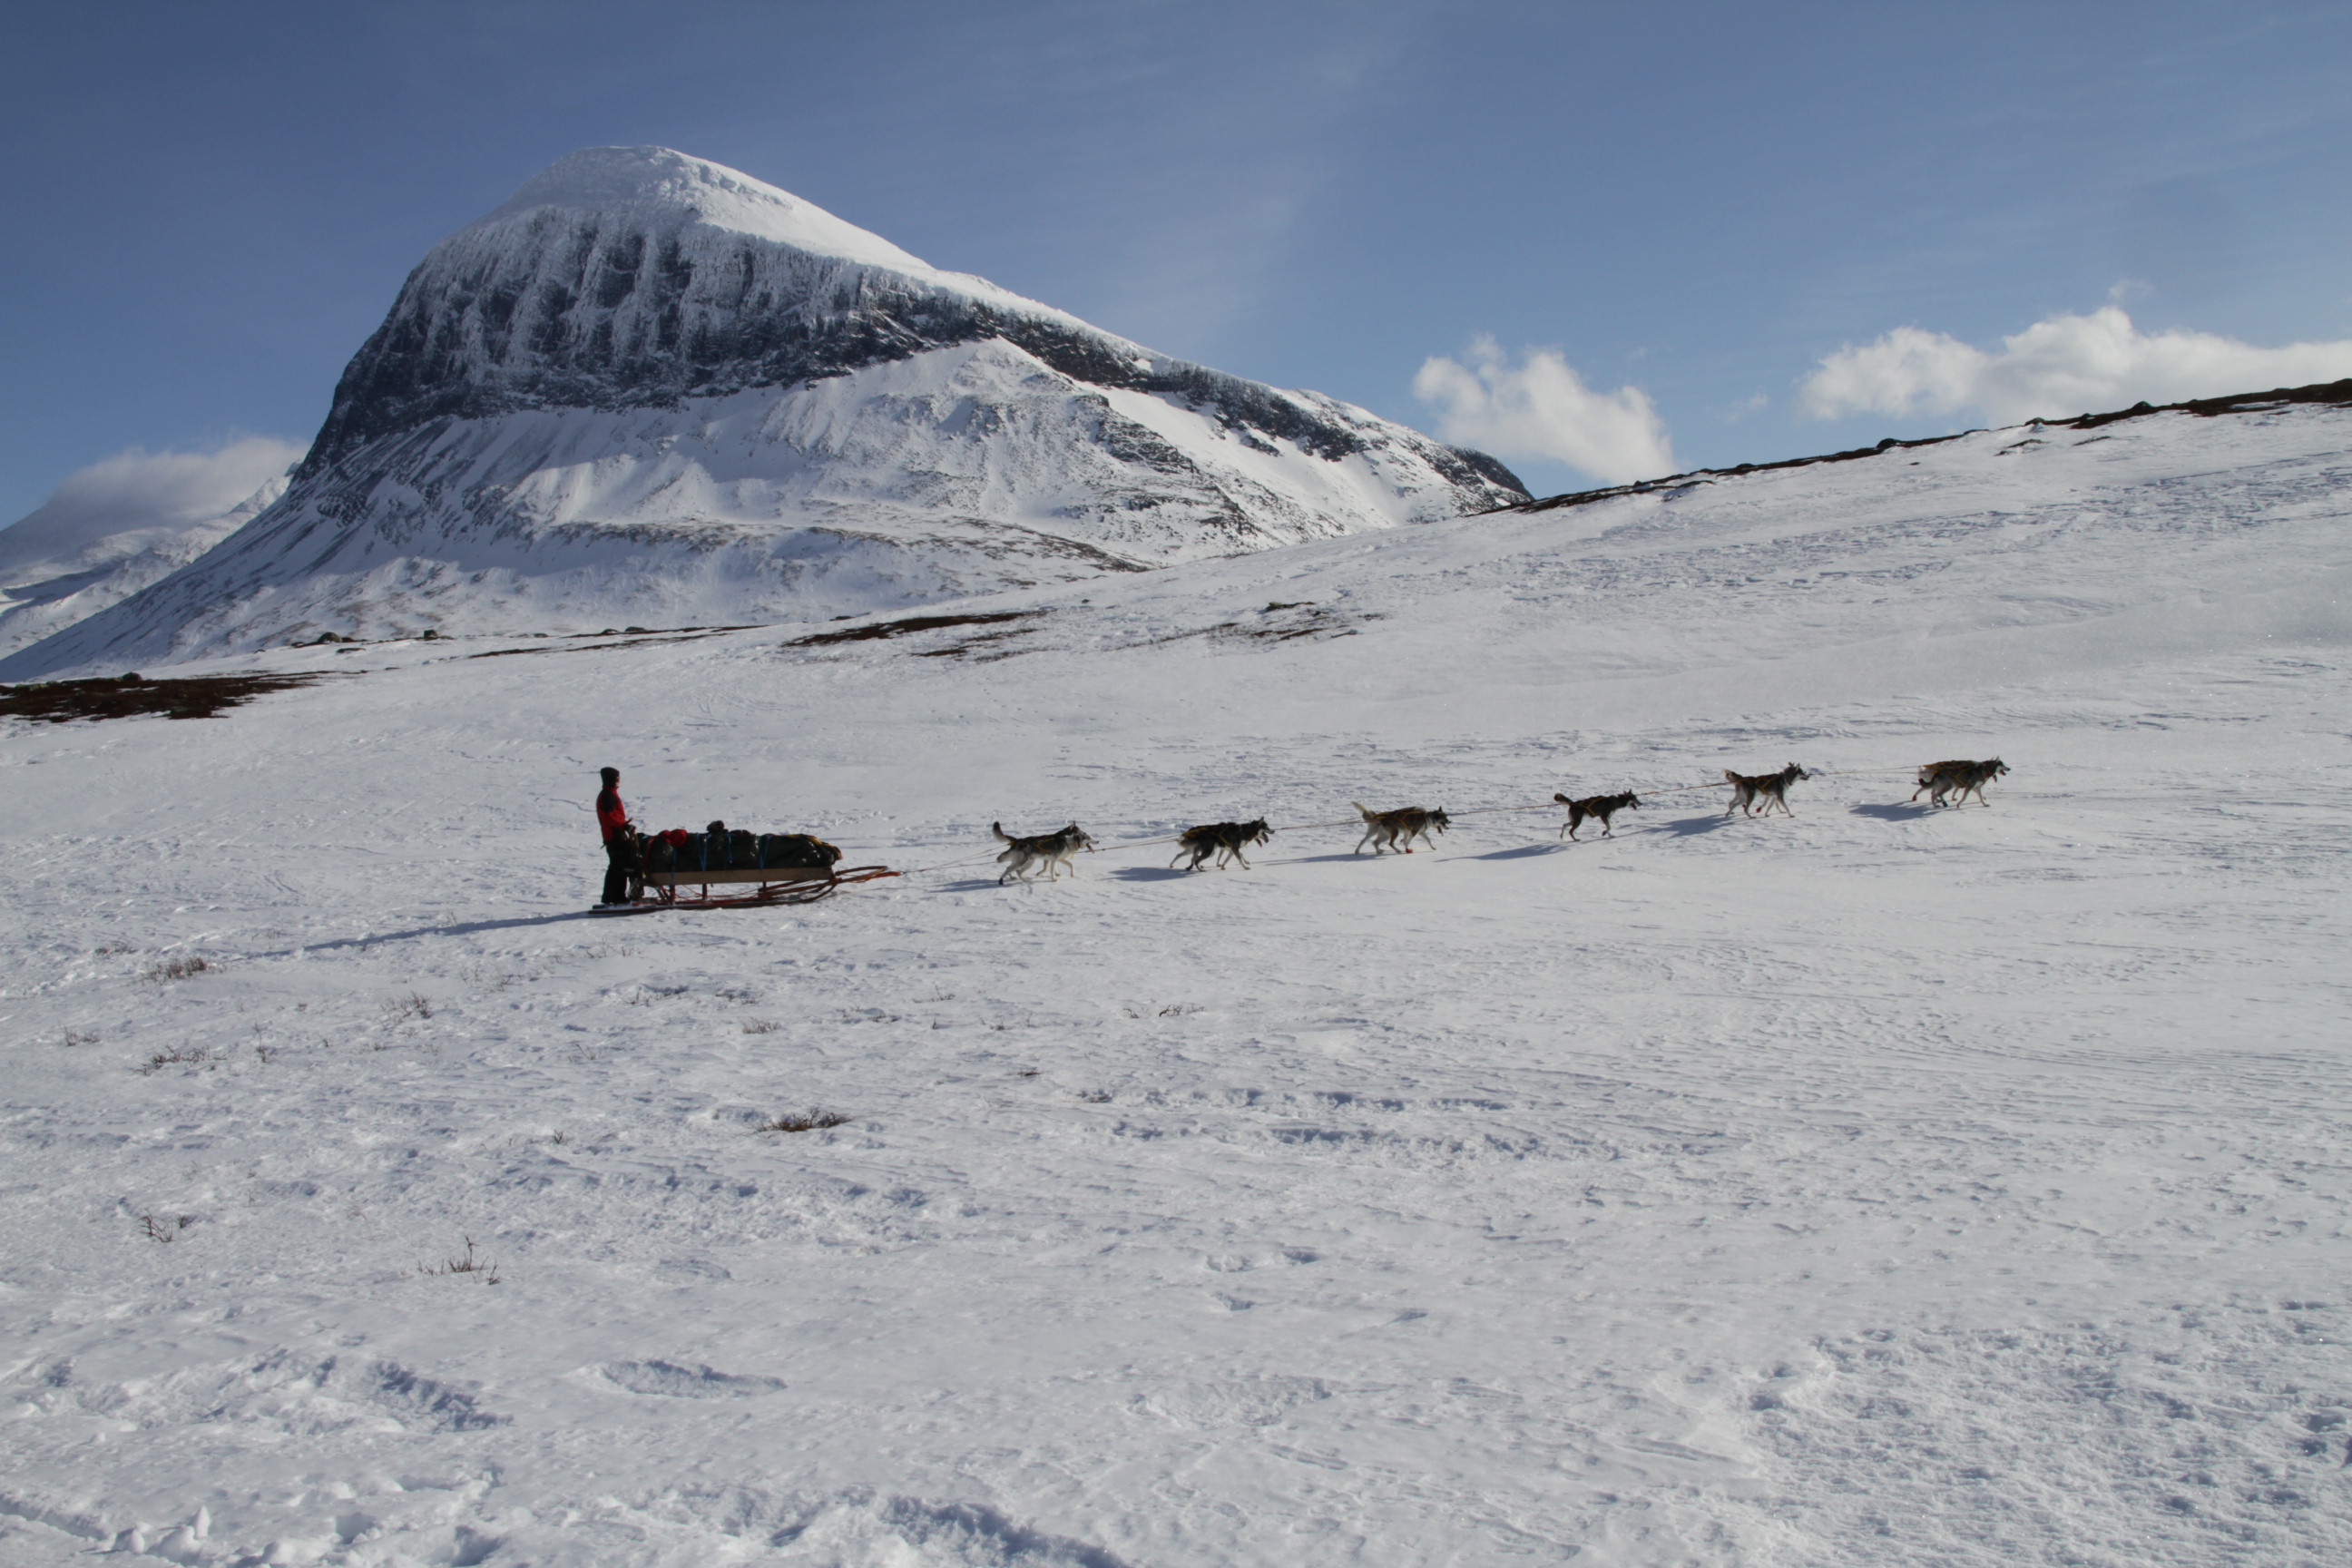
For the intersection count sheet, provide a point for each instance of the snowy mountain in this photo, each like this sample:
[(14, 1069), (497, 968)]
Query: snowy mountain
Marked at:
[(124, 523), (1873, 1185), (652, 389)]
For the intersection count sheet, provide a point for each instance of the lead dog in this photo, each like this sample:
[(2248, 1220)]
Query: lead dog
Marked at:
[(1051, 850), (1399, 829), (1600, 807), (1772, 789), (1221, 839), (1960, 775)]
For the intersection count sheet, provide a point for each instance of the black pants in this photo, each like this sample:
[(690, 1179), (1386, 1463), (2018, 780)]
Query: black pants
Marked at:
[(620, 867)]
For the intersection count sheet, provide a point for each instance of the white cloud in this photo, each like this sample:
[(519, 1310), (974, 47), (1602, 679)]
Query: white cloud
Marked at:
[(2062, 366), (1541, 408), (137, 491)]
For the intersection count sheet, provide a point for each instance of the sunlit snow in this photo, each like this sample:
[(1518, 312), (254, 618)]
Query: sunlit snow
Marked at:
[(1873, 1185)]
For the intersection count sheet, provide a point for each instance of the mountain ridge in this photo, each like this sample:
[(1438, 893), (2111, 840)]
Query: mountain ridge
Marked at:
[(652, 302), (621, 396)]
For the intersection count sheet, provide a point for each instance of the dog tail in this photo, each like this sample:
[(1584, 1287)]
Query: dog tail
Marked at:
[(1369, 813), (1561, 798), (998, 829)]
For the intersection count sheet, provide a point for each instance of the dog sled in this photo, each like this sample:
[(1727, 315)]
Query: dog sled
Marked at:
[(754, 888), (733, 869)]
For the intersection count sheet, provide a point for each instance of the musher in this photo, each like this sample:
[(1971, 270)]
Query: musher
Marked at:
[(620, 854)]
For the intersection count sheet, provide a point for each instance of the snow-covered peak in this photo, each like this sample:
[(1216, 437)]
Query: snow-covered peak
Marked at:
[(644, 360), (663, 191), (637, 277)]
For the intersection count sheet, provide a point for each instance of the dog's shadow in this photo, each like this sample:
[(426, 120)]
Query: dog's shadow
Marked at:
[(1150, 874), (1687, 827), (1524, 852), (1904, 812)]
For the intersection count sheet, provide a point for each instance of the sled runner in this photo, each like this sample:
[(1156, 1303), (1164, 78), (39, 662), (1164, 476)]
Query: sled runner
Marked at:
[(710, 889)]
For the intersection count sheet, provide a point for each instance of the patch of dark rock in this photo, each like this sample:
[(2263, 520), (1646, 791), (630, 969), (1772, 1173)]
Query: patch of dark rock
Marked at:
[(880, 629), (987, 646), (129, 696), (1315, 624), (2337, 392), (636, 636), (2334, 392)]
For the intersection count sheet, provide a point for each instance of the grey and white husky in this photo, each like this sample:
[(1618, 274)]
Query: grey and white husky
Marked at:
[(1961, 774), (1771, 789), (1051, 850), (1397, 829), (1600, 807), (1221, 839)]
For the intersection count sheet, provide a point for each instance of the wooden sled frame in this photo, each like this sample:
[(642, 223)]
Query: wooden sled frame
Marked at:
[(774, 885)]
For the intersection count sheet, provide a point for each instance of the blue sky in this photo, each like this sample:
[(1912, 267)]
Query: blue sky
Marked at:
[(1660, 219)]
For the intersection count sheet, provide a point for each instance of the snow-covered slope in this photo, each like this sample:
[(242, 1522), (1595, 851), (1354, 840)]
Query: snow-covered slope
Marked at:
[(652, 389), (1875, 1185), (122, 524)]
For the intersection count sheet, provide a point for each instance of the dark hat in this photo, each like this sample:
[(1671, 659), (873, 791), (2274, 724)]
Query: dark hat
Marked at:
[(609, 772)]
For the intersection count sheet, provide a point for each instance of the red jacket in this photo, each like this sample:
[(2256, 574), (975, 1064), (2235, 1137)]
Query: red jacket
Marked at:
[(611, 814)]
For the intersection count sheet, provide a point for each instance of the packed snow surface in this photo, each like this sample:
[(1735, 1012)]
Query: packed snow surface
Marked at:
[(1874, 1184)]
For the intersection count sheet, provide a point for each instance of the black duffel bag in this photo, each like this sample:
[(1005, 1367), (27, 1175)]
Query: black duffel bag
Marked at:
[(796, 850)]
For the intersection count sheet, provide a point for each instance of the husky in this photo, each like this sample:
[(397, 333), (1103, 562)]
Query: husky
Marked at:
[(1600, 807), (1772, 789), (1051, 850), (1221, 839), (1959, 776), (1399, 829)]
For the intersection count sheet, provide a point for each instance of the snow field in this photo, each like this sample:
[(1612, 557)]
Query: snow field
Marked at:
[(1876, 1184)]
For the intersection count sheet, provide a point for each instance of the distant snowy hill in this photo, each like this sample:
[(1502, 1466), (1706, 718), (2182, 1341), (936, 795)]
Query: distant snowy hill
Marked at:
[(123, 523), (649, 388)]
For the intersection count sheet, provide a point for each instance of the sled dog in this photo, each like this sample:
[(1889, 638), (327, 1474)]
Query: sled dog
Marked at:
[(1398, 828), (1221, 839), (1959, 776), (1772, 789), (1600, 807), (1051, 850)]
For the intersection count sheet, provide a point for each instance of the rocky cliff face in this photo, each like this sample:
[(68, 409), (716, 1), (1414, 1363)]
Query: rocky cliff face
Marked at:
[(651, 388)]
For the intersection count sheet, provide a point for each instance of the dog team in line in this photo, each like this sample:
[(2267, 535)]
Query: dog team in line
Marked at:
[(1753, 794)]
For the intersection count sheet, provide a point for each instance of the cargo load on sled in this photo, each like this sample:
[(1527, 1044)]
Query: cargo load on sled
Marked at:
[(767, 868)]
